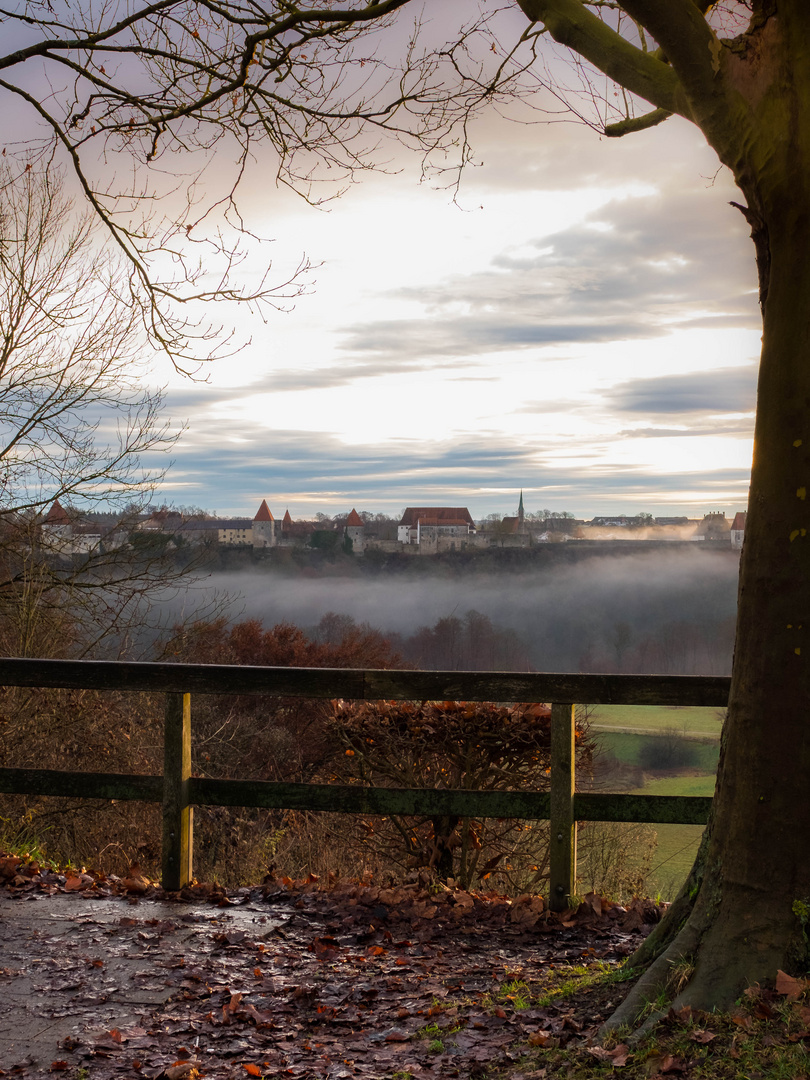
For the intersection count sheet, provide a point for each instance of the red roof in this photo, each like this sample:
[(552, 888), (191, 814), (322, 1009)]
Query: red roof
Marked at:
[(57, 515), (442, 521), (264, 512), (287, 519), (738, 524), (355, 519), (437, 515)]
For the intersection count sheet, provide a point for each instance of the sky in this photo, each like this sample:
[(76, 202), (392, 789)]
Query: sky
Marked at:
[(579, 324)]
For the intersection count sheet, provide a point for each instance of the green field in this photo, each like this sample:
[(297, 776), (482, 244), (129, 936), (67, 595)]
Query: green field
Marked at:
[(686, 719), (626, 747), (678, 785), (677, 844)]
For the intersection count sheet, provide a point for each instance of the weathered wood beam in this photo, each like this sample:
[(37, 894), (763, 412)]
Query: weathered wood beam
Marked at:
[(653, 809), (178, 814), (368, 684), (562, 823), (270, 795), (81, 785), (361, 800)]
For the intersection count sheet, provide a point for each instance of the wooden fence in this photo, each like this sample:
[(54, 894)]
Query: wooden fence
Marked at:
[(179, 791)]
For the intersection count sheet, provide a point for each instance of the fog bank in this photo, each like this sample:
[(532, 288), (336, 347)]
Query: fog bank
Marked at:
[(666, 610)]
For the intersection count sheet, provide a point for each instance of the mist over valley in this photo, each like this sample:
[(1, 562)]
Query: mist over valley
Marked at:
[(667, 610)]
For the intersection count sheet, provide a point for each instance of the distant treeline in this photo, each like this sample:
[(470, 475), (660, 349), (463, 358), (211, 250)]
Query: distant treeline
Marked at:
[(307, 561)]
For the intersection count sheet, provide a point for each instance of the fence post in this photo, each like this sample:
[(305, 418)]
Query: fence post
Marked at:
[(562, 827), (178, 816)]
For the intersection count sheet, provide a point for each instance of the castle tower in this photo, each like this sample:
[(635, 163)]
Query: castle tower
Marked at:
[(264, 528), (356, 530), (57, 520)]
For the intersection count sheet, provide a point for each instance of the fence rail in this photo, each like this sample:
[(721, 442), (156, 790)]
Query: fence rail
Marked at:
[(178, 791)]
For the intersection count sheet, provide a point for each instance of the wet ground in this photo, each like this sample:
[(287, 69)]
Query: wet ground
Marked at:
[(291, 981)]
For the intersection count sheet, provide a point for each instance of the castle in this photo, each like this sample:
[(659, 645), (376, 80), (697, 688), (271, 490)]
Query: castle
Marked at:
[(424, 530)]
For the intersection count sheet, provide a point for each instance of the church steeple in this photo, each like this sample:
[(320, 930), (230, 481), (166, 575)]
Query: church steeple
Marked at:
[(520, 510)]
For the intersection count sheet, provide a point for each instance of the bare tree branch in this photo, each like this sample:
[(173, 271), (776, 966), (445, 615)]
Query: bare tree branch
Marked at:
[(571, 24), (637, 123)]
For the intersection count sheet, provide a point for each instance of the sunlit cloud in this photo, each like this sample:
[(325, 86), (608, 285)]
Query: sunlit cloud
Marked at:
[(585, 328)]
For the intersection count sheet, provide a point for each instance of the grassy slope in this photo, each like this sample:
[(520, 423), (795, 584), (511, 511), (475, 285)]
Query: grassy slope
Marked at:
[(627, 747), (684, 719), (677, 844)]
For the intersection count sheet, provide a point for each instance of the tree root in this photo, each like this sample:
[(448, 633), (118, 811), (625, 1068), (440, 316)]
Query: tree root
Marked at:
[(654, 983)]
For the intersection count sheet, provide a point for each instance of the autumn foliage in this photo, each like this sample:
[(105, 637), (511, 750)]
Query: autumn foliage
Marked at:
[(429, 744), (271, 738), (479, 746)]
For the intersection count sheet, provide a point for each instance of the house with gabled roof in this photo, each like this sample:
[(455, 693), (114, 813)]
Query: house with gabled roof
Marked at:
[(714, 526), (65, 532), (435, 527)]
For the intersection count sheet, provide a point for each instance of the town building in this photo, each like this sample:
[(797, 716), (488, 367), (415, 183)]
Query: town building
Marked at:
[(435, 528), (738, 529), (355, 531), (424, 530), (714, 526), (263, 531)]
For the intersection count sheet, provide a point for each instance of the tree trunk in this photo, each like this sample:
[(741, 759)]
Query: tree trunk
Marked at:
[(443, 829), (741, 915)]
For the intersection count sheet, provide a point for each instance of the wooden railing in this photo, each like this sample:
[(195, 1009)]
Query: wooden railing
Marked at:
[(179, 791)]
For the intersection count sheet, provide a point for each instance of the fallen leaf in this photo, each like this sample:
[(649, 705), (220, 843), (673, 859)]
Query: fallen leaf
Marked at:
[(136, 886), (619, 1054), (539, 1038), (671, 1064), (741, 1018), (181, 1070), (789, 987), (700, 1035)]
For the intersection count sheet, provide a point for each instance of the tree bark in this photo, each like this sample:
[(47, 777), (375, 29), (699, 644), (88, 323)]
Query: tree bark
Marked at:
[(741, 915)]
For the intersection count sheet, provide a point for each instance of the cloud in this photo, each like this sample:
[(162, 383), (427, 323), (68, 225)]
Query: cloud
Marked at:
[(719, 427), (308, 472), (475, 335), (534, 153), (725, 390), (638, 267), (659, 252)]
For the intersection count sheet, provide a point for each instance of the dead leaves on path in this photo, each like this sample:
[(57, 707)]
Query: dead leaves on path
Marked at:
[(20, 876), (351, 981)]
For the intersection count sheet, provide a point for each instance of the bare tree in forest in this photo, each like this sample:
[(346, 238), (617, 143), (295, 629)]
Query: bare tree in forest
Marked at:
[(176, 76)]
